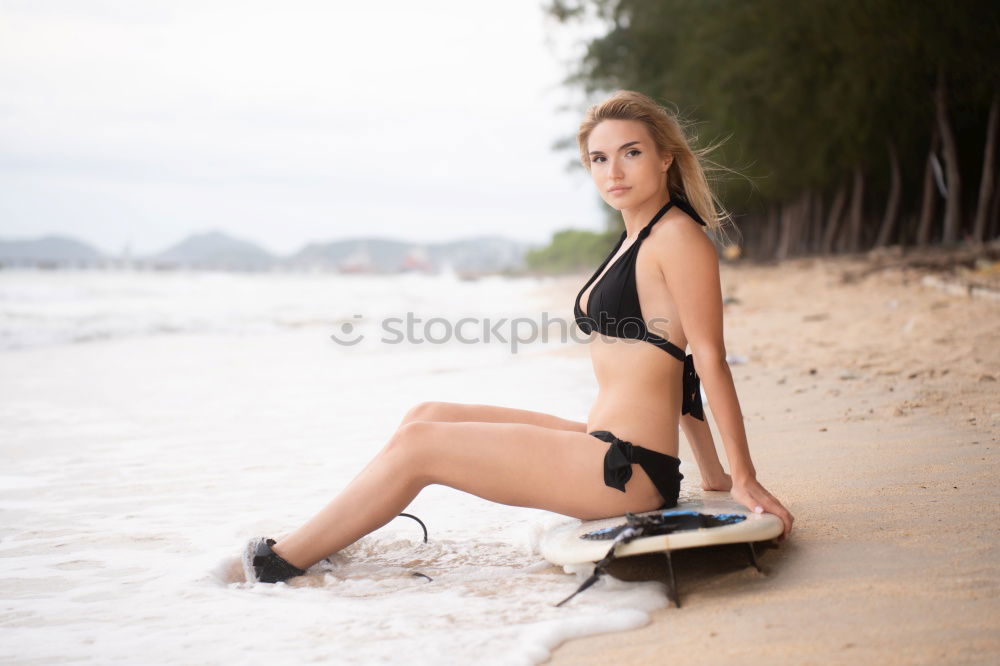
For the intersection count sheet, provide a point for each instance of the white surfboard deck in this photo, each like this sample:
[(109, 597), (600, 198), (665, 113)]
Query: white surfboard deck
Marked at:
[(562, 544)]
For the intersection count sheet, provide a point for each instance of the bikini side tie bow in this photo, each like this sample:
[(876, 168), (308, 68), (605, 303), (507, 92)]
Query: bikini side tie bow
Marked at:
[(691, 400), (618, 464)]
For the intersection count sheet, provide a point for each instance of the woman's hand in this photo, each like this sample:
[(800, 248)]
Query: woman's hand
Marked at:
[(755, 497)]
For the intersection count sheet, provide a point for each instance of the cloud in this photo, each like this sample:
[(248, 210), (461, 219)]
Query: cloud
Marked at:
[(142, 122)]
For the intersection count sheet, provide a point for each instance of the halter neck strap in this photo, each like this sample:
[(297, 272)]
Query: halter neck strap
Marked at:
[(656, 218)]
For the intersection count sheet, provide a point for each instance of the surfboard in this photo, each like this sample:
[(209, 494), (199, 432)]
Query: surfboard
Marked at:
[(578, 542)]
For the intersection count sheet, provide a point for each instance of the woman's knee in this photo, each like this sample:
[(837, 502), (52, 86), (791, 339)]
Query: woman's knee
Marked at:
[(410, 446), (427, 411)]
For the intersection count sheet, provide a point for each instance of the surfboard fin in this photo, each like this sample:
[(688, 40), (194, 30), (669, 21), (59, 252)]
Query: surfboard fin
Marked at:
[(753, 557)]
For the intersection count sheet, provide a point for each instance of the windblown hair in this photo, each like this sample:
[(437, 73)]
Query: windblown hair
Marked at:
[(686, 175)]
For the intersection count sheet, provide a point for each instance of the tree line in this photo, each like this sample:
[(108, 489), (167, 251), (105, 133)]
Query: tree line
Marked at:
[(845, 125)]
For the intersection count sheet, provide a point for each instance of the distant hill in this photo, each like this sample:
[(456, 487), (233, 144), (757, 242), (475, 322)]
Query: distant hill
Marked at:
[(378, 253), (56, 250), (485, 254), (218, 250), (214, 250)]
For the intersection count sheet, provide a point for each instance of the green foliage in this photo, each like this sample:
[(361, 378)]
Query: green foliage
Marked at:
[(572, 250), (805, 90)]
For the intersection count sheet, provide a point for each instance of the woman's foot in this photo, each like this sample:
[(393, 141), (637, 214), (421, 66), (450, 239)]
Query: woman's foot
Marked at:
[(261, 564)]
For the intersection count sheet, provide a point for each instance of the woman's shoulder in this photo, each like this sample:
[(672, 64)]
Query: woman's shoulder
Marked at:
[(679, 229)]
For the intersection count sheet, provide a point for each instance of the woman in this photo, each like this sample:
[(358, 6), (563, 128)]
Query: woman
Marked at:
[(658, 291)]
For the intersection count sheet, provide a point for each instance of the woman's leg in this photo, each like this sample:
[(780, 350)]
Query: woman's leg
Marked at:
[(459, 411), (509, 463)]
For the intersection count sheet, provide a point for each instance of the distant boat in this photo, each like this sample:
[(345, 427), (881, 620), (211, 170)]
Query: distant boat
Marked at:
[(359, 261), (416, 260), (448, 270)]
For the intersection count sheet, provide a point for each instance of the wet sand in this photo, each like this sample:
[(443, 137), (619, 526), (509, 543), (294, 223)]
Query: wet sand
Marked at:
[(871, 406)]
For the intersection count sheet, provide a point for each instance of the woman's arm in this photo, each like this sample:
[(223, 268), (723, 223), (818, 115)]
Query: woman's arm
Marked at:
[(699, 436), (690, 267), (713, 370)]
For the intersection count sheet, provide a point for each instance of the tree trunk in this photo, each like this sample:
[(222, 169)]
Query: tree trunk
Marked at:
[(979, 230), (856, 210), (908, 230), (928, 199), (816, 223), (773, 219), (892, 208), (995, 211), (796, 224), (785, 233), (953, 203), (833, 220), (753, 229), (806, 223)]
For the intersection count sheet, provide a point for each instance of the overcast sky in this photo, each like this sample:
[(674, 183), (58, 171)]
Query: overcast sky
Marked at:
[(136, 123)]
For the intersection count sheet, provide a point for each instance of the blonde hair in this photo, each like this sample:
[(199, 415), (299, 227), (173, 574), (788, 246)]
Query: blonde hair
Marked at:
[(686, 174)]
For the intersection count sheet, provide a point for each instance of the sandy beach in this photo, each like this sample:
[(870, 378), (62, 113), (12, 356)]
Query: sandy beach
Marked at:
[(871, 405)]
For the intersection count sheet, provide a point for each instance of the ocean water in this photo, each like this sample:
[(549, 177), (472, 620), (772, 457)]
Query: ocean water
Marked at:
[(150, 423)]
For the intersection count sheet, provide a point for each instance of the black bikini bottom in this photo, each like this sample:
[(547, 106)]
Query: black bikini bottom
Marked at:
[(663, 470)]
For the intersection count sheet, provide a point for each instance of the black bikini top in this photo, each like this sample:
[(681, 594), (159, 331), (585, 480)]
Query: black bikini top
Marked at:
[(613, 307)]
